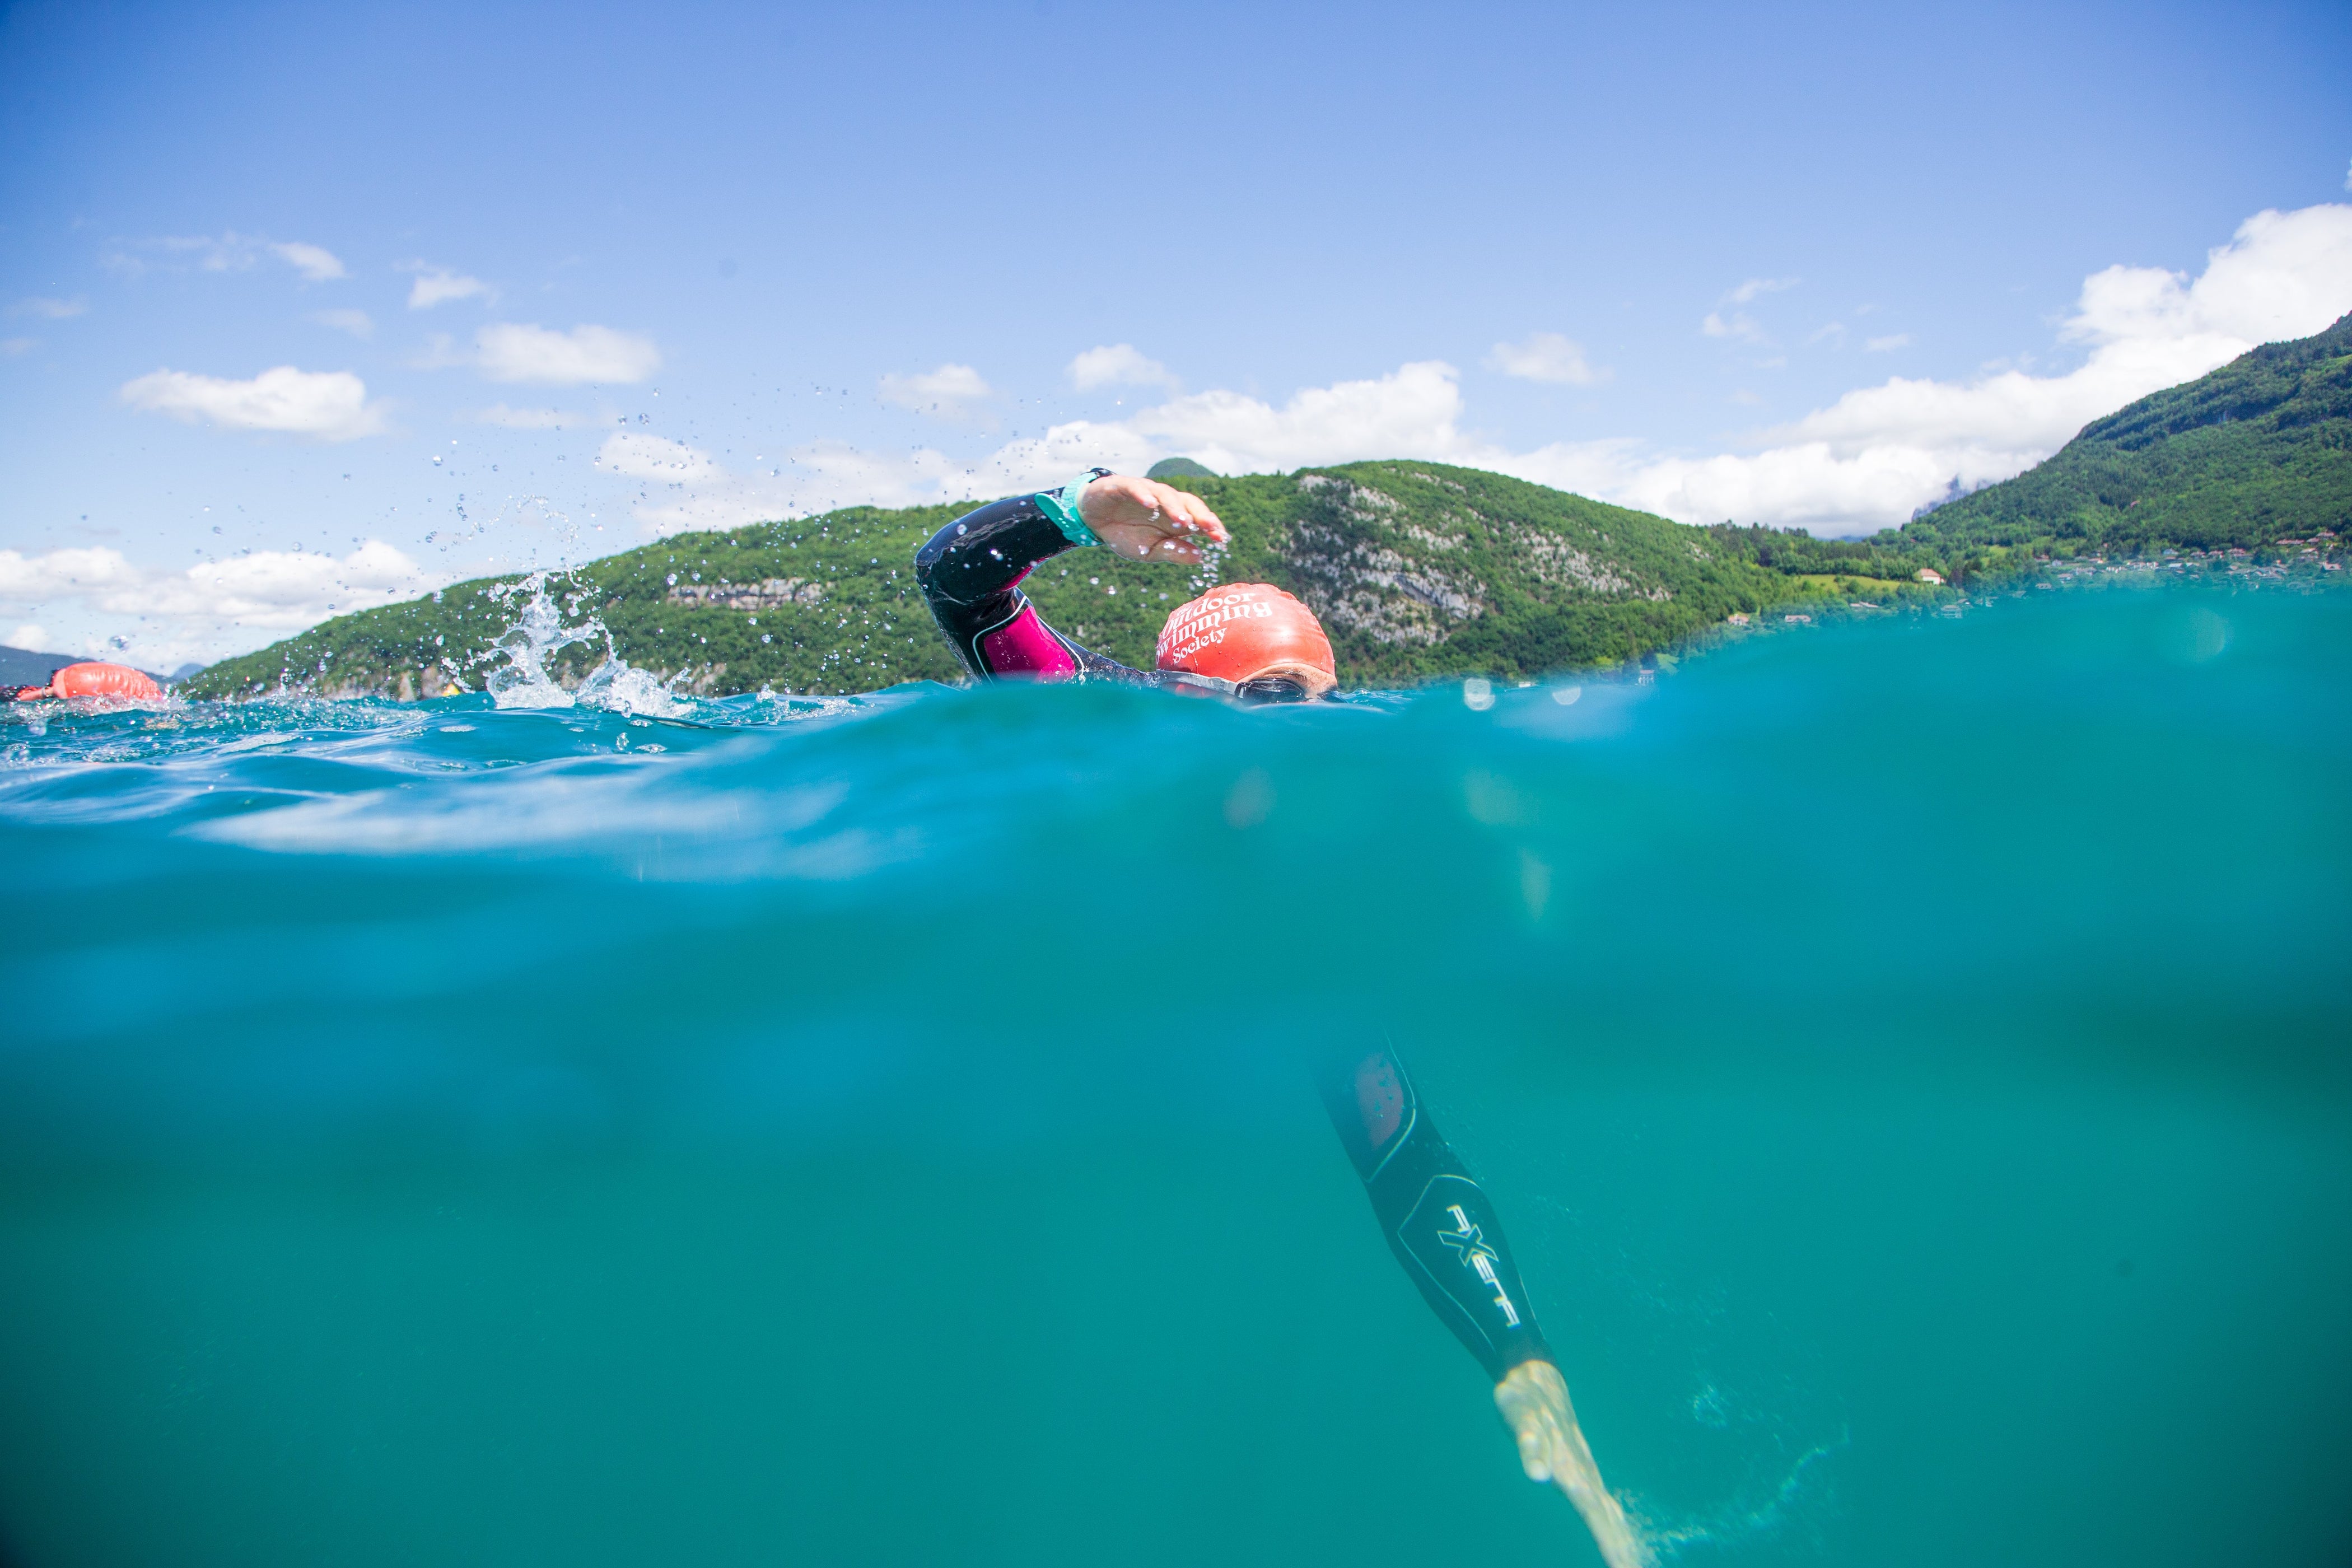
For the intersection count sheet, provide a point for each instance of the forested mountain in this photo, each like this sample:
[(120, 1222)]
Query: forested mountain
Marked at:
[(2259, 450), (1417, 569)]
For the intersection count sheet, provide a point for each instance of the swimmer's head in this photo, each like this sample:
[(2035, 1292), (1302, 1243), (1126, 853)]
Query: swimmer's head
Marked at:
[(1254, 637)]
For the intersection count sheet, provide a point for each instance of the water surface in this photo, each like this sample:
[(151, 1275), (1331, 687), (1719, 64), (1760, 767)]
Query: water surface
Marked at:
[(1911, 1058)]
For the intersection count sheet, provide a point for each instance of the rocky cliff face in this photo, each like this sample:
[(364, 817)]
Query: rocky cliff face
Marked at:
[(1358, 578)]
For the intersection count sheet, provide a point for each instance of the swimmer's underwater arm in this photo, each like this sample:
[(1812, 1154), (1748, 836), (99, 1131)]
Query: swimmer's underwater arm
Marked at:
[(1439, 1224), (1434, 1215)]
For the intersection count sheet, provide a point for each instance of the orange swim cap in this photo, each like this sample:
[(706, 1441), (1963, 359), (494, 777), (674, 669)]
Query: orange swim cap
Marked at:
[(94, 679), (1244, 631)]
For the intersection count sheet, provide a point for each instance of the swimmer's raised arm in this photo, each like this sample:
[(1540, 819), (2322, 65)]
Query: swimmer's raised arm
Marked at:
[(970, 570)]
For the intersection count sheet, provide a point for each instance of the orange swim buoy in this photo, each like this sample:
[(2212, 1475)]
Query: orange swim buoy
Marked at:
[(1248, 631), (93, 678)]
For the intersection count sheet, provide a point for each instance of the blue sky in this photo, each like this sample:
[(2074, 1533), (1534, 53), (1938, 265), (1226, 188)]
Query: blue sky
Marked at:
[(630, 270)]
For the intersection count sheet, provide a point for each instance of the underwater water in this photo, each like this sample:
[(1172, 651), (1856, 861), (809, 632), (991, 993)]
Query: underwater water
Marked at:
[(1913, 1061)]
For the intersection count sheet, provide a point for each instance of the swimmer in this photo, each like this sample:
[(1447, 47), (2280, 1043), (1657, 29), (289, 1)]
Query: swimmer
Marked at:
[(1253, 642), (1248, 641), (90, 678)]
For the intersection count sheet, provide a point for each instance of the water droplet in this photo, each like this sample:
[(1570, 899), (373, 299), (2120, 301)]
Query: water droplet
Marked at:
[(436, 460)]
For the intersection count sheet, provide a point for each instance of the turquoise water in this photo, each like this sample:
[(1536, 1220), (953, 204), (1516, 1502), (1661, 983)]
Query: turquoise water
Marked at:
[(1912, 1060)]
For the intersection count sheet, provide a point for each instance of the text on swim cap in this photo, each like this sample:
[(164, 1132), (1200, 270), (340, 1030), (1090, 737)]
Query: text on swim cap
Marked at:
[(1202, 622)]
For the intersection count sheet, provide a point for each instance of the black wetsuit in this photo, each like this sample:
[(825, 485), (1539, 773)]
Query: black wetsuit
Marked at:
[(970, 574), (1435, 1217)]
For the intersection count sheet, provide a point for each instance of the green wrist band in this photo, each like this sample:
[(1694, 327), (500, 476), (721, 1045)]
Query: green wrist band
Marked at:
[(1062, 506)]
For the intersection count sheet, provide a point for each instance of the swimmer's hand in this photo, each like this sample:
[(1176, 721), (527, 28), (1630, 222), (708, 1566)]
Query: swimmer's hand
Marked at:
[(1144, 519), (1534, 1403)]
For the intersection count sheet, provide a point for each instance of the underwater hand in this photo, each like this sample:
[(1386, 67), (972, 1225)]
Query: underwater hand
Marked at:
[(1144, 519), (1534, 1402)]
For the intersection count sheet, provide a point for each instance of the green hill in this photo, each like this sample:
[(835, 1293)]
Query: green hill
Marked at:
[(2259, 450), (1418, 570), (1173, 468)]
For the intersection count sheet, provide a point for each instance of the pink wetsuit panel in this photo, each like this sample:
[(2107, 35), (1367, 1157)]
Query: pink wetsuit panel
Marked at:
[(1022, 645)]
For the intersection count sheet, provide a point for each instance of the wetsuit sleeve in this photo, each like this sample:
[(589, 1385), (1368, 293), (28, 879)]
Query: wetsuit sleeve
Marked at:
[(970, 574), (1435, 1217)]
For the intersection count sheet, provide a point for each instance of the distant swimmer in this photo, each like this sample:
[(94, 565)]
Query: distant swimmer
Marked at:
[(89, 679), (1253, 642)]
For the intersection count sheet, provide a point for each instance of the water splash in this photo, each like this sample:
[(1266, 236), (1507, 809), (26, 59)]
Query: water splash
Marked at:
[(540, 633), (617, 687), (537, 635)]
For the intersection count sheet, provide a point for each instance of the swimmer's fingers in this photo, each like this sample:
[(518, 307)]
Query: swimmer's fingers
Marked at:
[(1119, 502), (1145, 542), (1534, 1454), (1188, 513)]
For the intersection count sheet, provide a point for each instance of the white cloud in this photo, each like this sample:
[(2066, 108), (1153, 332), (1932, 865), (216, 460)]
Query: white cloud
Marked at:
[(314, 262), (1887, 344), (1738, 324), (1117, 364), (510, 351), (529, 418), (1757, 287), (952, 392), (1877, 453), (331, 405), (1410, 413), (1864, 462), (29, 635), (680, 487), (12, 347), (355, 323), (49, 310), (1546, 356), (168, 617), (656, 459), (230, 252), (438, 286)]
